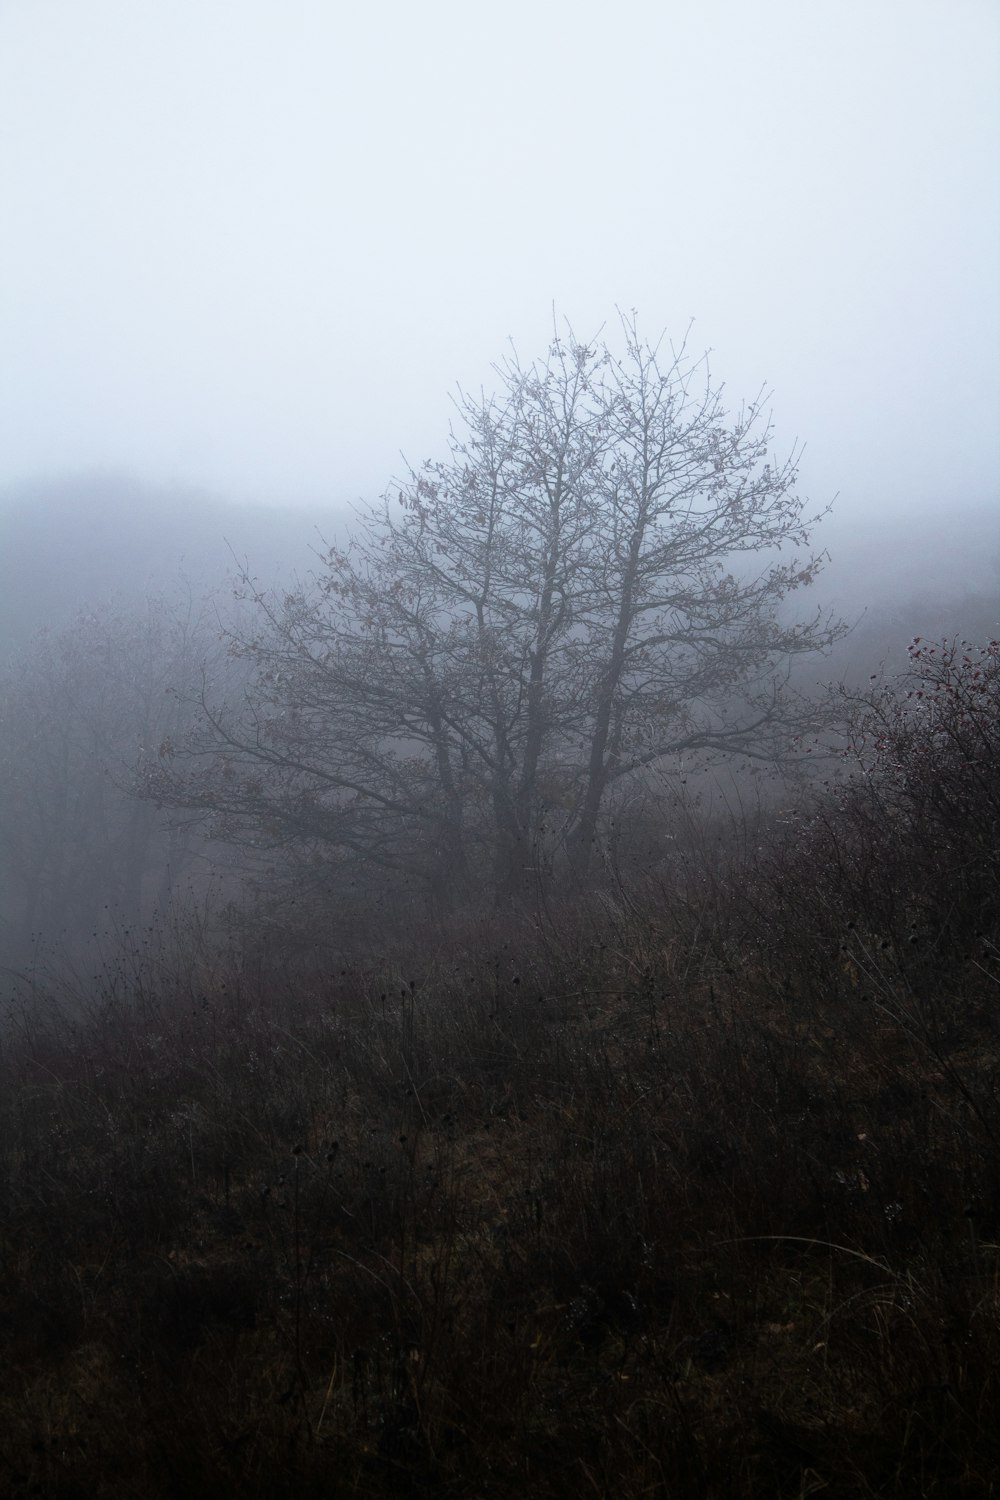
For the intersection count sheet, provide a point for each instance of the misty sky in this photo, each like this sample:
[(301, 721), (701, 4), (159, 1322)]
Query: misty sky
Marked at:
[(252, 244)]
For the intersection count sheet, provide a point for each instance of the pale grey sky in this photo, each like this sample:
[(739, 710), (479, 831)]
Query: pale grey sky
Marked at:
[(252, 244)]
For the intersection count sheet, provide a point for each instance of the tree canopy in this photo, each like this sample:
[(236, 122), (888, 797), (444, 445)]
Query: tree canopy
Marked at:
[(594, 579)]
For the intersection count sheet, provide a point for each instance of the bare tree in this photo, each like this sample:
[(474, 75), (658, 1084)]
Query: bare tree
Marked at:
[(593, 581)]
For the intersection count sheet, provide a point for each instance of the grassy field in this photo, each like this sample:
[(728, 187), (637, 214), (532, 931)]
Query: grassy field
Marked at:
[(686, 1188)]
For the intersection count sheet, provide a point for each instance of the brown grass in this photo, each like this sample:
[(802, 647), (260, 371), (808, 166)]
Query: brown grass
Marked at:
[(689, 1191)]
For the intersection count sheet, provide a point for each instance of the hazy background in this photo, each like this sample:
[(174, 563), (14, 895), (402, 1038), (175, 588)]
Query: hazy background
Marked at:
[(248, 246)]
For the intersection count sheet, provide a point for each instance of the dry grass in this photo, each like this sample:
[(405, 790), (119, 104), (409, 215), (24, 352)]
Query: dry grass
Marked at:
[(557, 1237), (691, 1192)]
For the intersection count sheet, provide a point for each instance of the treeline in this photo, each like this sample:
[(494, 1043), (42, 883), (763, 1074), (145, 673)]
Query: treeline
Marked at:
[(95, 715), (89, 713)]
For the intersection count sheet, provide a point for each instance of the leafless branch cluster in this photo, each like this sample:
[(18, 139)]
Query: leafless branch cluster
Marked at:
[(592, 582)]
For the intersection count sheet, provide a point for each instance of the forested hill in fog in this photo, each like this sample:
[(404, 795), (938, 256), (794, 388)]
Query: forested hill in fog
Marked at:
[(75, 542), (931, 574)]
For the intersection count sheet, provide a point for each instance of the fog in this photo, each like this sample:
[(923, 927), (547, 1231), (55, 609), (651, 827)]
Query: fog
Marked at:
[(251, 256), (250, 249)]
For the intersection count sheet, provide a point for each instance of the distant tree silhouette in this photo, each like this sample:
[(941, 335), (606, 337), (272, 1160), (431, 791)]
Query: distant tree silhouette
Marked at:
[(79, 709)]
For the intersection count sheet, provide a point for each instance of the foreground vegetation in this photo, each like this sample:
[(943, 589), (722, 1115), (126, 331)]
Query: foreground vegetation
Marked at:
[(686, 1187)]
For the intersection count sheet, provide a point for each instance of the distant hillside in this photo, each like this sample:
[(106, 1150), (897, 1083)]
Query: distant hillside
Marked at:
[(76, 541), (933, 574)]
